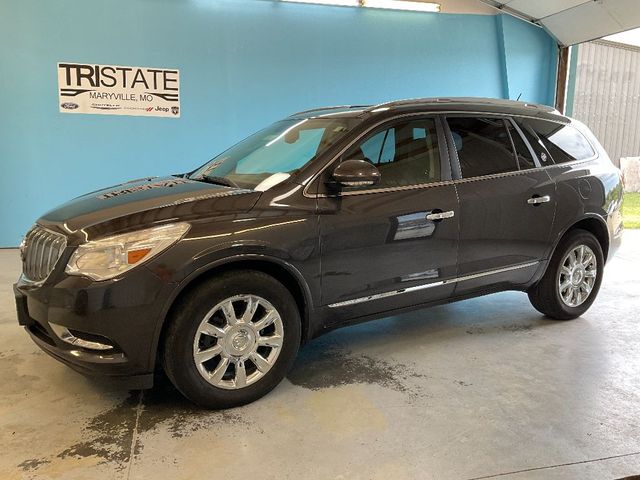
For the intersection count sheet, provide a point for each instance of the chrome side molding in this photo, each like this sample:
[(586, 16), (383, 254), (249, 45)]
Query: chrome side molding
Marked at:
[(392, 293)]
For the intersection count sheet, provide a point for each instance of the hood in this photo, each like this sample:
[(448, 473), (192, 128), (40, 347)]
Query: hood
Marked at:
[(146, 201)]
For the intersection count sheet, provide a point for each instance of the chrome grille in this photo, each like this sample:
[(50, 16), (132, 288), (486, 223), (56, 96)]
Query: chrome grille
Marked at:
[(40, 252)]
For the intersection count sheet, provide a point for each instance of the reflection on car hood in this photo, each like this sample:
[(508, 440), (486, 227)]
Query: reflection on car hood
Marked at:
[(135, 197)]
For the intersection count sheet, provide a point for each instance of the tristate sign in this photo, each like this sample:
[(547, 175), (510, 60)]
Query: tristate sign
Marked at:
[(117, 90)]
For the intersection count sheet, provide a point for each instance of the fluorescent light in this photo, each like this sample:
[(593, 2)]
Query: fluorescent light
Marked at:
[(340, 3), (415, 6), (402, 5)]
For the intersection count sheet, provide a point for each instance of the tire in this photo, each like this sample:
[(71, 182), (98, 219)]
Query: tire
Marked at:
[(202, 324), (545, 296)]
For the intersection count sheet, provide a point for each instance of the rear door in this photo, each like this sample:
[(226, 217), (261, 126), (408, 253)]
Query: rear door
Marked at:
[(507, 203)]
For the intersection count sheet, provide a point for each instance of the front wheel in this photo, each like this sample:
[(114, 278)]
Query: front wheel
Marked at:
[(232, 339), (573, 277)]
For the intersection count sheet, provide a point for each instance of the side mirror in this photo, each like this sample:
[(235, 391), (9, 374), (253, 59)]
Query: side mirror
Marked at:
[(356, 173)]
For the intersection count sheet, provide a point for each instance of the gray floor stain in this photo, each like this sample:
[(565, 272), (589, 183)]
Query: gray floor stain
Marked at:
[(514, 327), (319, 366), (166, 405), (474, 329), (109, 435), (31, 464), (518, 328), (462, 383)]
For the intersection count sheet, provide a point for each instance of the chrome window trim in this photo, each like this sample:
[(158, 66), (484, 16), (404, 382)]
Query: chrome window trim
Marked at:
[(445, 182), (526, 142), (378, 296), (389, 189)]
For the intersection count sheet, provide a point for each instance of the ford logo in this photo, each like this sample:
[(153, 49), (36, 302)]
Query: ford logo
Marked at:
[(69, 105)]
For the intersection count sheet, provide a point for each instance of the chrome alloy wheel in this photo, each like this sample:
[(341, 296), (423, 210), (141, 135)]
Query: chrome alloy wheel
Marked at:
[(577, 275), (238, 341)]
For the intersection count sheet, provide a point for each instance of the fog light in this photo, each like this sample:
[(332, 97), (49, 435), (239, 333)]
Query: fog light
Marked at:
[(65, 335)]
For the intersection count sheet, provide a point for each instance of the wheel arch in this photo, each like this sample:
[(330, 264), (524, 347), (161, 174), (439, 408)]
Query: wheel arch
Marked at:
[(592, 224), (282, 271)]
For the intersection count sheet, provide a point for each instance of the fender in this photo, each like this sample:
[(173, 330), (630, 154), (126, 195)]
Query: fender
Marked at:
[(562, 233), (226, 259)]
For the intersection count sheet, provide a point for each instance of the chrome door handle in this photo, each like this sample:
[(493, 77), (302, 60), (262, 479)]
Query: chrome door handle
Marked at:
[(440, 215), (539, 200)]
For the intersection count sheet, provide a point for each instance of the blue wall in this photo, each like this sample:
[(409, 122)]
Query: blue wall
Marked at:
[(526, 48), (243, 64)]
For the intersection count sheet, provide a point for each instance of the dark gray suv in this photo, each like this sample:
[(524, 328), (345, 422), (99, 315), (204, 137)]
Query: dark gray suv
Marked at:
[(328, 217)]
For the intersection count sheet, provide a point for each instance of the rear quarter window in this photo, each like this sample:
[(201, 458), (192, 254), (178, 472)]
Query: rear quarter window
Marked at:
[(565, 143)]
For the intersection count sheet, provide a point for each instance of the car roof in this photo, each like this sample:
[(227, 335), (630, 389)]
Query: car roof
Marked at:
[(440, 104)]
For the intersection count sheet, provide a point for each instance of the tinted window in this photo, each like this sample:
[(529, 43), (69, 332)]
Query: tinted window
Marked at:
[(523, 154), (564, 142), (405, 154), (536, 144), (380, 147), (483, 145)]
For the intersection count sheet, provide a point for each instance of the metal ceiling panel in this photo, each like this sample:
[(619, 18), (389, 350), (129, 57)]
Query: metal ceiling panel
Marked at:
[(579, 24), (542, 8), (575, 21), (626, 12)]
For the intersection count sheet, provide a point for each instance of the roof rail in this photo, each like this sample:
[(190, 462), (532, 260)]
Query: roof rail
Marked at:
[(393, 102), (335, 107)]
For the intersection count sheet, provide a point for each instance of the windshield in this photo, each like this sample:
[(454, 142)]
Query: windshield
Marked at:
[(275, 153)]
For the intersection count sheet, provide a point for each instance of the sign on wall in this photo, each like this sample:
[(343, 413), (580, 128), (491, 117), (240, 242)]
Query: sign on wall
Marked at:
[(118, 90)]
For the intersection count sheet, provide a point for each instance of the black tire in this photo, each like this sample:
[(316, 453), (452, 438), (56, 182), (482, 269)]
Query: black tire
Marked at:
[(191, 309), (545, 297)]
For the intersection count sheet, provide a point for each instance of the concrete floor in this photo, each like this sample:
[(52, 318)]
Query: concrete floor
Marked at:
[(480, 389)]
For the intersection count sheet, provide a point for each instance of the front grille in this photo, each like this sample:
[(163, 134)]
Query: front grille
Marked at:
[(40, 252)]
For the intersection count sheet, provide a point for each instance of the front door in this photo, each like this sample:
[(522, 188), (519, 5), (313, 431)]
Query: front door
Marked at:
[(507, 203), (393, 244)]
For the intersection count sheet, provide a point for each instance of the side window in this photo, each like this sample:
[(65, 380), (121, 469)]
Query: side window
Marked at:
[(536, 144), (483, 145), (523, 154), (372, 147), (406, 153), (565, 143)]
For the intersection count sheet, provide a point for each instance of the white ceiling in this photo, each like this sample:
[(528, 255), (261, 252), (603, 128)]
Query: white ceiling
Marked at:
[(576, 21)]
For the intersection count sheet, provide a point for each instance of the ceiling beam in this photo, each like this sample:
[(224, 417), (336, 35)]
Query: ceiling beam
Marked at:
[(510, 11)]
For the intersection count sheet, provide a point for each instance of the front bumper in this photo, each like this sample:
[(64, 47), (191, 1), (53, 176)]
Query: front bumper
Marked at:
[(124, 314)]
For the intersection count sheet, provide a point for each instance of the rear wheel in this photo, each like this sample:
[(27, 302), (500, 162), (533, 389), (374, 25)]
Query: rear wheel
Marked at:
[(573, 277), (232, 339)]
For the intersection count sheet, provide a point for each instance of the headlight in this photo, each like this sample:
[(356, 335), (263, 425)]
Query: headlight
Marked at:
[(111, 256)]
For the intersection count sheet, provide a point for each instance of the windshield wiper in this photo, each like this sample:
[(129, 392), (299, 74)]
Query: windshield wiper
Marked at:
[(217, 181)]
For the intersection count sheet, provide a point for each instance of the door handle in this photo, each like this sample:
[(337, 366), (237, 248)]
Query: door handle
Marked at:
[(440, 215), (537, 200)]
